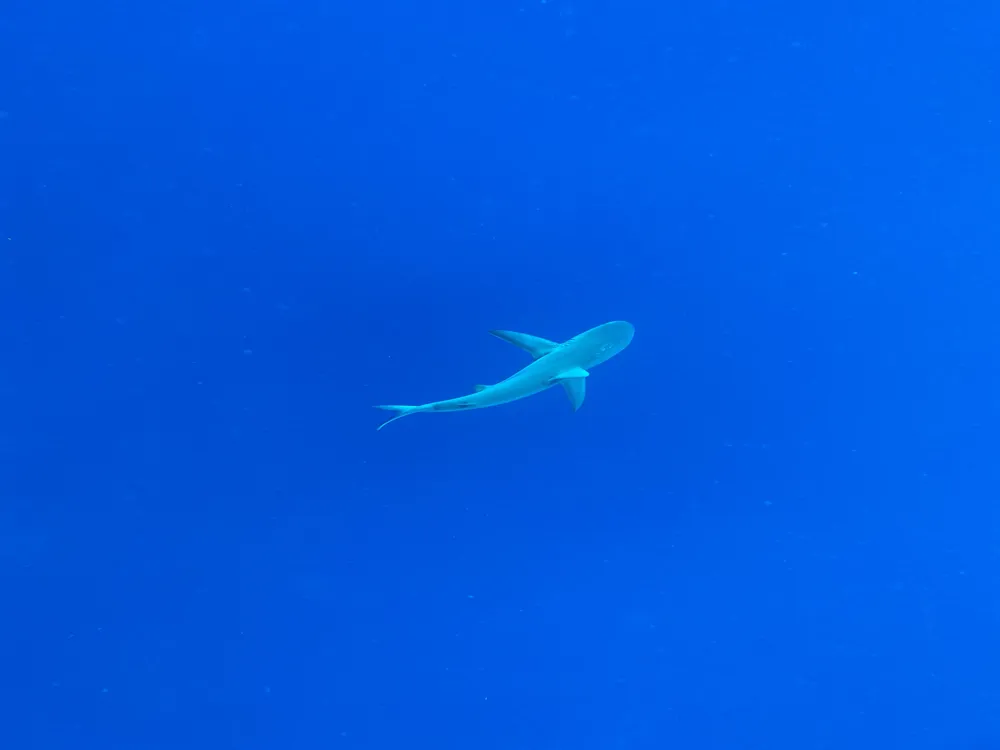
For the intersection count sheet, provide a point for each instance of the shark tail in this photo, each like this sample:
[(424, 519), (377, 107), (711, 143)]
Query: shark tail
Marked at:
[(401, 411)]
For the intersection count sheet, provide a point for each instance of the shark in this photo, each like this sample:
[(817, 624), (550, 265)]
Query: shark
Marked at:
[(567, 364)]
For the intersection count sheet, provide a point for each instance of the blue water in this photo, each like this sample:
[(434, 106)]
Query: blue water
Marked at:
[(229, 229)]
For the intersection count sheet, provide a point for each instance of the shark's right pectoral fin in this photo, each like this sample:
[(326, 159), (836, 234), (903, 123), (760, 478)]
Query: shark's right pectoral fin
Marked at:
[(536, 346)]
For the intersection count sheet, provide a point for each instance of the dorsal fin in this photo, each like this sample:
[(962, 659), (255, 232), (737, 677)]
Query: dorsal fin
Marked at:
[(536, 346), (481, 388)]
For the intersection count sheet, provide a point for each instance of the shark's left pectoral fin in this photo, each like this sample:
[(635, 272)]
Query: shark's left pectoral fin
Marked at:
[(574, 382), (576, 389)]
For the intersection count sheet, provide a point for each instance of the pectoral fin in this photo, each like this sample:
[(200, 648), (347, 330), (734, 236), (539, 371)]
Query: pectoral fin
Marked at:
[(576, 389), (534, 345), (574, 382)]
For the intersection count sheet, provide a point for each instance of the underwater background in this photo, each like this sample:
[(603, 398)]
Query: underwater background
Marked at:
[(228, 229)]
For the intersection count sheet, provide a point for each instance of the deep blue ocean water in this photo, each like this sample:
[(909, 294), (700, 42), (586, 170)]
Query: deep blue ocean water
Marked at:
[(227, 230)]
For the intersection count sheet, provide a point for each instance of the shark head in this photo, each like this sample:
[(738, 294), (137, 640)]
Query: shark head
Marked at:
[(603, 342)]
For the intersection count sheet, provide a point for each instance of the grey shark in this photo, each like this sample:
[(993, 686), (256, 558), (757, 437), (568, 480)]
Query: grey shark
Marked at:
[(566, 364)]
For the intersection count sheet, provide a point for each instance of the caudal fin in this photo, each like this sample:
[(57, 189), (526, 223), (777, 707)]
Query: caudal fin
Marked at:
[(401, 411)]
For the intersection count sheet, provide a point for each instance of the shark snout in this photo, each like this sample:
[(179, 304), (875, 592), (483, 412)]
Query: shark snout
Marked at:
[(625, 329), (620, 331), (605, 341)]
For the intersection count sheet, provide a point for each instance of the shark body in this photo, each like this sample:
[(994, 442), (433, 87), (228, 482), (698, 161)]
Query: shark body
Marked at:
[(566, 364)]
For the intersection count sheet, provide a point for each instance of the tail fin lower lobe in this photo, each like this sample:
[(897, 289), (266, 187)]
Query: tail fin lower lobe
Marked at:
[(400, 412)]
